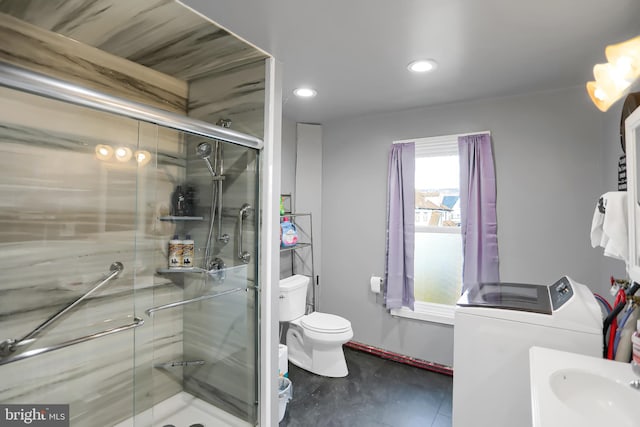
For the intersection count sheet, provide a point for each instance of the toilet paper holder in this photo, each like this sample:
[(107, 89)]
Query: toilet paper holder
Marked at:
[(376, 284)]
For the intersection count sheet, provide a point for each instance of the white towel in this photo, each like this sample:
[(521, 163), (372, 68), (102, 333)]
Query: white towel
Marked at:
[(609, 229)]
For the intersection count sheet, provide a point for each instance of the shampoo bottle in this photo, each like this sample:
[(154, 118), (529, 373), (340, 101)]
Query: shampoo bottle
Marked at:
[(175, 252), (187, 252)]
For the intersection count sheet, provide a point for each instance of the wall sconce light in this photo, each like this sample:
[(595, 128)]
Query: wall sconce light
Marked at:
[(103, 152), (613, 80), (123, 154), (142, 157)]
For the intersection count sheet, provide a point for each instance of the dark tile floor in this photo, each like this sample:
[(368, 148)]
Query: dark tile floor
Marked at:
[(377, 392)]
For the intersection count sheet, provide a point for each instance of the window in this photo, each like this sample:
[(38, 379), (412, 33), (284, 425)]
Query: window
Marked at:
[(438, 242)]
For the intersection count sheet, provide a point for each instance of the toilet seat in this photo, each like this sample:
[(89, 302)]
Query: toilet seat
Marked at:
[(325, 323)]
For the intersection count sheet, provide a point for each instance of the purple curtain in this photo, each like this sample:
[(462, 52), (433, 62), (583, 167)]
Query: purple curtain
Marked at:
[(478, 210), (400, 227)]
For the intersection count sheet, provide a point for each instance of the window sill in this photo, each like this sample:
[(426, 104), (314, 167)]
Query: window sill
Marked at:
[(428, 312)]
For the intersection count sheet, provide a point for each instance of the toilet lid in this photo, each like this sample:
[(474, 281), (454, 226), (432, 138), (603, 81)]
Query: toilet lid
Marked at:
[(323, 322)]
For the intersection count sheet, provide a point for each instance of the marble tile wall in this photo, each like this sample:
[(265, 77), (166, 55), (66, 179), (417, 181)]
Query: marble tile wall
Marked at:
[(39, 50), (225, 74), (159, 34), (236, 94), (65, 216)]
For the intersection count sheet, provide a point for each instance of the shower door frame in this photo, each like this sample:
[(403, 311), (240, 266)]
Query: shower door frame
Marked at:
[(25, 80), (22, 79)]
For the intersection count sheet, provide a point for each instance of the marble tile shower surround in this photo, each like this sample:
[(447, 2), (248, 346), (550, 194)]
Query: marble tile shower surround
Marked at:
[(160, 34), (70, 240), (64, 217), (43, 51), (226, 76), (236, 94), (226, 345)]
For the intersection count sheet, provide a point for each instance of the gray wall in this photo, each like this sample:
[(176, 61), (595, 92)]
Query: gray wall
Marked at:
[(289, 153), (549, 166)]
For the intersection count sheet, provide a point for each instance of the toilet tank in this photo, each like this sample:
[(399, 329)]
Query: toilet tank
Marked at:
[(293, 297)]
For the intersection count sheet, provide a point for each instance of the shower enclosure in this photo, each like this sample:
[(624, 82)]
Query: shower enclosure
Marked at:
[(90, 314)]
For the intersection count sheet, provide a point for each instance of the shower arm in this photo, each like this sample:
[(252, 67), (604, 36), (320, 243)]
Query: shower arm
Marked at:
[(8, 346)]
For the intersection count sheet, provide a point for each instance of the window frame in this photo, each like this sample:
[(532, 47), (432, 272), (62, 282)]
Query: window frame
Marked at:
[(423, 310)]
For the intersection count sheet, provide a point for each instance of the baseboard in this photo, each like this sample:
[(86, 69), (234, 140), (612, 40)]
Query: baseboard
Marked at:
[(407, 360)]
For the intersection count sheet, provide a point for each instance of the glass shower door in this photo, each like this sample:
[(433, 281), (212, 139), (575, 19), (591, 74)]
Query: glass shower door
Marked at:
[(67, 214)]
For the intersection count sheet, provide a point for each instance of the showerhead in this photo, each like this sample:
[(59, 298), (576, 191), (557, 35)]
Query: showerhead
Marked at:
[(204, 152)]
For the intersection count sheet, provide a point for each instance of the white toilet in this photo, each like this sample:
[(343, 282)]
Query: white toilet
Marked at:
[(314, 341)]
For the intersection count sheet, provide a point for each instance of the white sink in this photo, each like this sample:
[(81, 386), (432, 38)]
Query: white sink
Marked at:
[(570, 389)]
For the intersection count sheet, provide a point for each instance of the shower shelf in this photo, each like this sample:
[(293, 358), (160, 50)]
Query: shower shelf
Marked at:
[(182, 270), (181, 218)]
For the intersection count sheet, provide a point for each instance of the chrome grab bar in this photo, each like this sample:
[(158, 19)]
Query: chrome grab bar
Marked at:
[(152, 310), (242, 214), (30, 353), (8, 346)]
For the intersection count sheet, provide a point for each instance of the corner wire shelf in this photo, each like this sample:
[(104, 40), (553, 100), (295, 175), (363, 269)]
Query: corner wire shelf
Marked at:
[(294, 247), (300, 245)]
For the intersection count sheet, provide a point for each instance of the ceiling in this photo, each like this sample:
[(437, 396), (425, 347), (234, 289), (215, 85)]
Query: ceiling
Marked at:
[(355, 52)]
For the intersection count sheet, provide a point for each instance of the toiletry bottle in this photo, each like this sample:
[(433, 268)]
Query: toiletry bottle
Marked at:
[(179, 202), (175, 252), (190, 201), (289, 233), (187, 252), (635, 342)]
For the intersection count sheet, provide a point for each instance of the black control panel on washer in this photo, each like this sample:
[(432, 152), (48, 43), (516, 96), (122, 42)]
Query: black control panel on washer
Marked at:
[(560, 292)]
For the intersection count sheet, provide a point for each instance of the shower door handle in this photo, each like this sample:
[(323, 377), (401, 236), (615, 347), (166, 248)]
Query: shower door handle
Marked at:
[(242, 214)]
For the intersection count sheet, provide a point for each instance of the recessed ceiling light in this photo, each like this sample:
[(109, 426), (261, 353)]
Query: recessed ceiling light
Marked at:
[(305, 92), (422, 65)]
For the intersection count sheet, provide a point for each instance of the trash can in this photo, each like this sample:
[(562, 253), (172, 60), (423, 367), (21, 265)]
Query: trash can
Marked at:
[(285, 391)]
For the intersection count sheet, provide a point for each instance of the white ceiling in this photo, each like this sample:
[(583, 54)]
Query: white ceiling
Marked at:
[(355, 52)]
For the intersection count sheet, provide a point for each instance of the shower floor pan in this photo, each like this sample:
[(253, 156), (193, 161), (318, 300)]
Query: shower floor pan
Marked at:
[(185, 410)]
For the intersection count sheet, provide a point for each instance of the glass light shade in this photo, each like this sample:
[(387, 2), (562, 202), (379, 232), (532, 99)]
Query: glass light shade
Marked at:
[(142, 157), (123, 154), (600, 97), (610, 79), (625, 57), (104, 152)]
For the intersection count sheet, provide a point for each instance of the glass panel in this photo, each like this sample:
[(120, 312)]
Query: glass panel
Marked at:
[(67, 213), (438, 244), (222, 332), (438, 267), (636, 140), (82, 189), (512, 296)]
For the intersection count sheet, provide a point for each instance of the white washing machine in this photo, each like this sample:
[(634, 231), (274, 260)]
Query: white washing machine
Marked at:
[(495, 325)]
